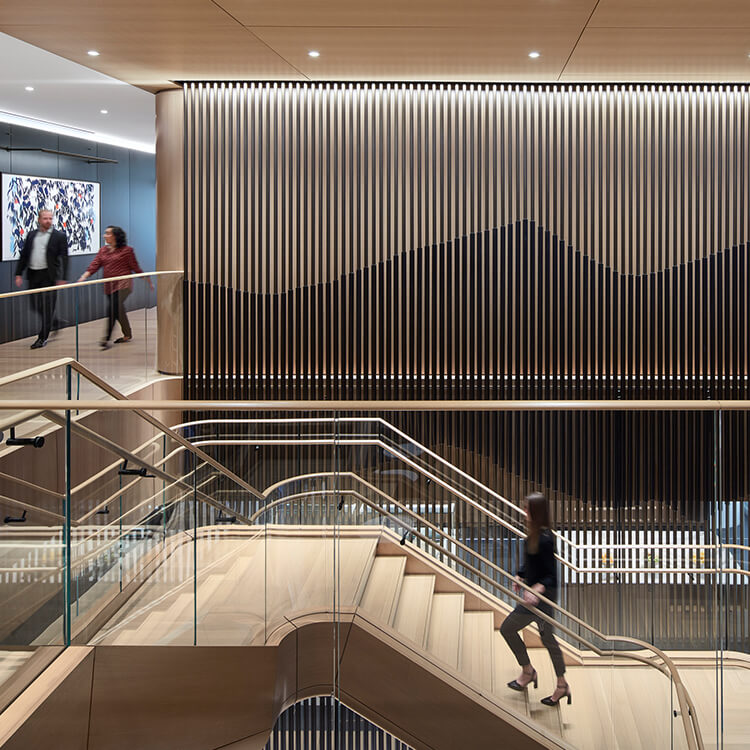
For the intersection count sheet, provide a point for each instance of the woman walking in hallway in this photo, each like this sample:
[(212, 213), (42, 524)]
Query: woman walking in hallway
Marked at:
[(116, 258), (539, 572)]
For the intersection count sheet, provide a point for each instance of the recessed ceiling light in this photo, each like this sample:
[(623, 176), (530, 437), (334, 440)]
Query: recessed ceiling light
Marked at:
[(533, 55), (93, 53), (314, 53), (29, 88), (104, 111)]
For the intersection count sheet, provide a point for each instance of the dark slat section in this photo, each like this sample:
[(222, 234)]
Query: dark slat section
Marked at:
[(323, 723), (541, 333)]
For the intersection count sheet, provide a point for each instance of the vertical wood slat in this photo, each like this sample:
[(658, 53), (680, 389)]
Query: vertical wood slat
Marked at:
[(324, 723), (298, 191), (591, 243)]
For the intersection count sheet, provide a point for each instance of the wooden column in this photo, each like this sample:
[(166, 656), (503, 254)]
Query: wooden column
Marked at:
[(170, 227)]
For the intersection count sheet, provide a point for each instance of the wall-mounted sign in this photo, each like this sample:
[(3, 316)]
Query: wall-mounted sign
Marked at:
[(75, 205)]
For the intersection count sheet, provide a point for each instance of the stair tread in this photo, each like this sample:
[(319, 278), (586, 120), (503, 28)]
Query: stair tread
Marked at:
[(444, 632), (476, 661), (383, 585), (548, 716), (413, 609)]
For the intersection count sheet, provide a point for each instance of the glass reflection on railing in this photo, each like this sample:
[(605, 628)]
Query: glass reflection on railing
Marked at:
[(118, 344), (157, 511), (32, 533), (202, 549)]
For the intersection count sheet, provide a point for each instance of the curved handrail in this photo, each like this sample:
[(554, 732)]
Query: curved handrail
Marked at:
[(88, 282), (504, 405), (338, 440), (342, 440), (375, 420), (141, 410), (689, 716)]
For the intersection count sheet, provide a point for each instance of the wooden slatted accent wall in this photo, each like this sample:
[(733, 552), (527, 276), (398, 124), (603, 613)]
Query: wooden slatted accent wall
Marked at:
[(358, 233), (482, 241)]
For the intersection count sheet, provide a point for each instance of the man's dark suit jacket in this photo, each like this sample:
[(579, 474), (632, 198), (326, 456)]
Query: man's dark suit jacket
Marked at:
[(57, 255)]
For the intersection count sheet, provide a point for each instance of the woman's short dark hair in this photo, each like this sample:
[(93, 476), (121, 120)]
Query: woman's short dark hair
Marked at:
[(119, 234)]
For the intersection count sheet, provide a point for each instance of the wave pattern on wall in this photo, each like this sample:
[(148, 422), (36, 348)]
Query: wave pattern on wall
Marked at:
[(345, 231), (501, 305)]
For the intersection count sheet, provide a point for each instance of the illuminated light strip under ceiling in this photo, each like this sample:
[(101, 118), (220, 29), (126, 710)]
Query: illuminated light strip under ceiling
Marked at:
[(88, 135)]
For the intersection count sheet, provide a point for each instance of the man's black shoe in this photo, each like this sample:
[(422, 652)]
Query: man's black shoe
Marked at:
[(38, 344)]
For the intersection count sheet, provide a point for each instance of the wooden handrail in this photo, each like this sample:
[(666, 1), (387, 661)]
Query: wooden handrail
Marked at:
[(490, 514), (88, 282), (371, 406), (346, 440), (687, 708)]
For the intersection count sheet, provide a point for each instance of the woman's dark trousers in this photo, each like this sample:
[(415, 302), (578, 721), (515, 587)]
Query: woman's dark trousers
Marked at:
[(116, 312), (517, 620)]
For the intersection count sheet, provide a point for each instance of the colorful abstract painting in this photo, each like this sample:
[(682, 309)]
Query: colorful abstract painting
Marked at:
[(74, 203)]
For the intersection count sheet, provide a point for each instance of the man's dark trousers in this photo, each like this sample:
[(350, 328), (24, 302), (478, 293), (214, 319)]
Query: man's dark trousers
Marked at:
[(45, 302)]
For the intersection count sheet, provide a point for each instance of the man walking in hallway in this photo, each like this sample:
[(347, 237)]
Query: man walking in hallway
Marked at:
[(44, 257)]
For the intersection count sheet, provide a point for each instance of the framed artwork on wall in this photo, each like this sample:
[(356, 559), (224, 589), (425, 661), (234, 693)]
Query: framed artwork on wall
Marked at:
[(75, 204)]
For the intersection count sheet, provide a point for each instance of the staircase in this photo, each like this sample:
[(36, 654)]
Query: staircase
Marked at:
[(257, 590)]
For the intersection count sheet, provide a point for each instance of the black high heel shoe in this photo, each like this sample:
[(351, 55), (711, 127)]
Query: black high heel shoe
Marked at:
[(515, 685), (549, 701)]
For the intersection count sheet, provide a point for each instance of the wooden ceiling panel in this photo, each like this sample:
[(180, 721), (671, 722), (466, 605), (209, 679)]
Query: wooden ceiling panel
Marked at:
[(660, 55), (86, 15), (500, 14), (151, 42), (699, 14), (150, 57), (421, 54)]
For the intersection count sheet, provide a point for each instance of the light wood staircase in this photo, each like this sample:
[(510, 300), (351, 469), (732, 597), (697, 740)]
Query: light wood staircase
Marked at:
[(256, 591)]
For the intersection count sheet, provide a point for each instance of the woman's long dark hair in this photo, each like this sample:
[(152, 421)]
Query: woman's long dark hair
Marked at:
[(537, 519), (119, 233)]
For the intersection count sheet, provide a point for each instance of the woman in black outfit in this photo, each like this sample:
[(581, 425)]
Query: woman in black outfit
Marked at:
[(539, 572)]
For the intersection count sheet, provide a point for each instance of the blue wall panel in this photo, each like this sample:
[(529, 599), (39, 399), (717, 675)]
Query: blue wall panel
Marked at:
[(128, 188)]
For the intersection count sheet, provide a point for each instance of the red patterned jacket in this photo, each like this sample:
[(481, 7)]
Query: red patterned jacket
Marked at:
[(119, 261)]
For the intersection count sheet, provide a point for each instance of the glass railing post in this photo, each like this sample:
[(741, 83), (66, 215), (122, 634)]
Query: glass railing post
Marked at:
[(67, 567), (336, 707), (267, 519), (672, 712), (119, 526), (76, 303), (145, 331), (720, 599), (164, 491), (76, 320), (194, 473)]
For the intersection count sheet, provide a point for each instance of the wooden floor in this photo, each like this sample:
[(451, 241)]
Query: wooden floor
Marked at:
[(250, 590), (127, 367)]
